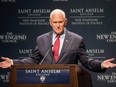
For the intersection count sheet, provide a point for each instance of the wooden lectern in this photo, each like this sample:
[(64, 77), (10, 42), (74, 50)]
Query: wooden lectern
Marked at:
[(53, 75)]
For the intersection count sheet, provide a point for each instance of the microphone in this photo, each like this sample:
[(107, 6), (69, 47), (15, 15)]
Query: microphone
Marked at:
[(46, 55)]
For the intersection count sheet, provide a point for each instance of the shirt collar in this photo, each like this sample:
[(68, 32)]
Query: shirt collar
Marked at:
[(61, 36)]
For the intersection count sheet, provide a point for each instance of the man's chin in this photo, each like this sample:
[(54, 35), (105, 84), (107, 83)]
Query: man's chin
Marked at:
[(59, 32)]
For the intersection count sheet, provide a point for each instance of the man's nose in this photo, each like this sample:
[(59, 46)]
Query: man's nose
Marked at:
[(58, 24)]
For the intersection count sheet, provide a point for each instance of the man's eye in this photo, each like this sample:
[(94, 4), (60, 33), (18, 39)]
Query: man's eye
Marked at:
[(61, 22), (54, 22), (58, 22)]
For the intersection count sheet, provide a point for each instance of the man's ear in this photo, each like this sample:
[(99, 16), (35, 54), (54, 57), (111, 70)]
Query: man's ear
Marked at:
[(66, 21), (50, 21)]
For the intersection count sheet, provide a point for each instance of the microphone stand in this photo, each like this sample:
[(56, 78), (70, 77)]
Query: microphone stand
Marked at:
[(45, 55)]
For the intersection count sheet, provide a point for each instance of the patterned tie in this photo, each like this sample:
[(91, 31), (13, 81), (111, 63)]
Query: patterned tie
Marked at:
[(56, 48)]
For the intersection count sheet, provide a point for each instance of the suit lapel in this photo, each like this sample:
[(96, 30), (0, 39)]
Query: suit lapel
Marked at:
[(49, 45), (65, 44), (64, 47), (49, 39)]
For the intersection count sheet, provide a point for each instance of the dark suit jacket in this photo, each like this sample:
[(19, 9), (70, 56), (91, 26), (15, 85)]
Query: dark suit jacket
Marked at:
[(73, 50)]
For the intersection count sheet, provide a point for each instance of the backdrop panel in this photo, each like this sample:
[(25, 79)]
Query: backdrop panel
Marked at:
[(23, 20)]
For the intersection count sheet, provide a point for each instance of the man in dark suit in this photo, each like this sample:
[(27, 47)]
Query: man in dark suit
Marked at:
[(71, 48)]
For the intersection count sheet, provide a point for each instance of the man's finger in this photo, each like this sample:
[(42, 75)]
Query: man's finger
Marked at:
[(4, 58), (111, 59)]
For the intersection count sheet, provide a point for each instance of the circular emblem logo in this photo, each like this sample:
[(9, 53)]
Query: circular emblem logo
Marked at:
[(42, 78)]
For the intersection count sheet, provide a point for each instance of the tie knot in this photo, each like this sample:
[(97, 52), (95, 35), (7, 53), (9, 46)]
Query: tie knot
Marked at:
[(58, 36)]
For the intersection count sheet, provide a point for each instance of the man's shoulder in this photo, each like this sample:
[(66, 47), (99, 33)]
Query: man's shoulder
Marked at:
[(44, 35), (73, 34)]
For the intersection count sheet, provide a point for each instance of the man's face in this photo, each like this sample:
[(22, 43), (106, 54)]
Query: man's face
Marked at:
[(58, 23)]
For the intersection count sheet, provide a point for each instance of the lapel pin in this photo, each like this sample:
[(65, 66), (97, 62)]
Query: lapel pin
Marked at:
[(66, 41)]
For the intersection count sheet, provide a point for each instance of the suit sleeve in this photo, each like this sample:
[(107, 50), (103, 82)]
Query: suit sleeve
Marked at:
[(34, 58), (86, 61)]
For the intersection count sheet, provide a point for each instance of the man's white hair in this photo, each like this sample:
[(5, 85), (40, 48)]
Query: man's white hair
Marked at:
[(57, 11)]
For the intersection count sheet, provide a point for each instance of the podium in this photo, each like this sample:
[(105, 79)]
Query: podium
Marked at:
[(52, 75)]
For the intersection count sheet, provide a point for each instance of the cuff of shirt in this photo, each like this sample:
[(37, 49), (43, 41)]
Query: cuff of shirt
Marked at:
[(12, 62)]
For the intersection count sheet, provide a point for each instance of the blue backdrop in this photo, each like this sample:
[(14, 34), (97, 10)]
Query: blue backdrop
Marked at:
[(21, 21)]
